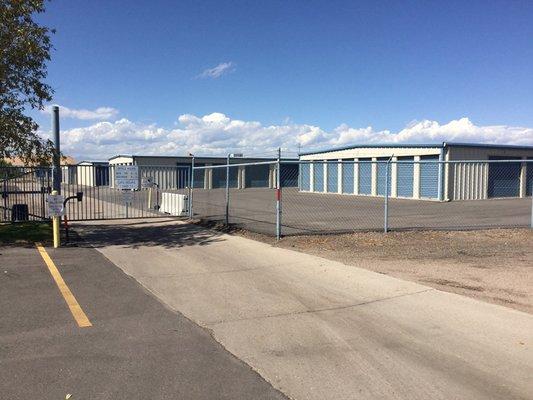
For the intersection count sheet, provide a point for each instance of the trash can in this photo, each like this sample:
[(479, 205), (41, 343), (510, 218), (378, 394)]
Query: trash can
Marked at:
[(19, 212)]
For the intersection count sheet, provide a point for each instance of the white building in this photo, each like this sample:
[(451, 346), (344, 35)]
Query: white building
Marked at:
[(416, 173), (171, 172), (91, 173)]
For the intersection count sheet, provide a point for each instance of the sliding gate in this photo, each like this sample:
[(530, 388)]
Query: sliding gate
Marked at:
[(24, 192)]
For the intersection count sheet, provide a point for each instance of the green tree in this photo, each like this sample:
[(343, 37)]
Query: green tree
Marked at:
[(24, 50)]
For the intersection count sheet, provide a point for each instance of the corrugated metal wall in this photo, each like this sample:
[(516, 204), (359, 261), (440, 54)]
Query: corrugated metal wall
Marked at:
[(470, 181)]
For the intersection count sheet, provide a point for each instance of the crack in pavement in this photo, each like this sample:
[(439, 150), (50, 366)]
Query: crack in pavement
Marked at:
[(213, 323)]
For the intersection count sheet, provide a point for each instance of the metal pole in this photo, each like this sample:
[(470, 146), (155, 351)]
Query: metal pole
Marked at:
[(227, 190), (57, 151), (386, 208), (278, 196), (191, 186)]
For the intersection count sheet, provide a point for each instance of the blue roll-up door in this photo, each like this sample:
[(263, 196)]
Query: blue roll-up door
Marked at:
[(429, 177), (182, 176), (234, 177), (289, 175), (318, 177), (333, 176), (219, 177), (305, 176), (102, 175), (504, 178), (382, 166), (257, 175), (347, 176), (529, 177), (365, 176), (199, 175), (404, 176)]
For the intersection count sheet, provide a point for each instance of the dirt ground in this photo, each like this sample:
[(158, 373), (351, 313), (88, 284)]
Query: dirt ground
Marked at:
[(493, 265)]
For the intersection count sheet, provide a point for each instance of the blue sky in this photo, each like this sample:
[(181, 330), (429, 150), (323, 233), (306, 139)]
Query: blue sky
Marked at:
[(326, 65)]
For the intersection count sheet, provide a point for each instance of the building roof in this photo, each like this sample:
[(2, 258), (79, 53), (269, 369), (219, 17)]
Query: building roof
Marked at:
[(18, 162), (420, 145), (94, 162), (201, 157)]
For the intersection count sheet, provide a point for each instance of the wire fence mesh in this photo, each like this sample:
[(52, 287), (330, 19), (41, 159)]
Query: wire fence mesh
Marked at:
[(320, 196), (356, 195)]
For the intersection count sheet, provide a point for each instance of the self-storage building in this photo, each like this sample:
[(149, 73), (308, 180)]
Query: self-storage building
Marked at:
[(172, 172), (446, 171)]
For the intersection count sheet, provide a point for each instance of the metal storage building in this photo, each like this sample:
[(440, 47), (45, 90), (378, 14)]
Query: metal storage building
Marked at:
[(90, 173), (173, 172), (415, 172)]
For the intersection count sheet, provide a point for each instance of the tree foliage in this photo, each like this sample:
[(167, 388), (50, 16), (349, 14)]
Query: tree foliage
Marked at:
[(24, 50)]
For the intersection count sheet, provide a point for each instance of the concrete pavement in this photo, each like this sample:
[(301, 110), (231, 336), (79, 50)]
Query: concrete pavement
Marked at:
[(318, 329)]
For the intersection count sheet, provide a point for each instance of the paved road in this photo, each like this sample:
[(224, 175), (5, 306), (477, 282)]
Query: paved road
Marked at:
[(318, 329), (136, 349)]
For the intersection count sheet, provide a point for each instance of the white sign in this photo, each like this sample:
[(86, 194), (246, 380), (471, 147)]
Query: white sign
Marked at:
[(55, 205), (127, 177), (127, 197), (147, 182)]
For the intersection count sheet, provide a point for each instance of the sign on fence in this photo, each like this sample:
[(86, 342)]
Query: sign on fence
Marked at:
[(127, 197), (127, 177), (55, 205)]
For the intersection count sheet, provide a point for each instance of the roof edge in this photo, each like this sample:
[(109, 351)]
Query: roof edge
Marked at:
[(420, 145), (375, 146)]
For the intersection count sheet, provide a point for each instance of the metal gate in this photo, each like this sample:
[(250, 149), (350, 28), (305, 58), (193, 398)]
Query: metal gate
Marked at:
[(23, 191), (26, 188)]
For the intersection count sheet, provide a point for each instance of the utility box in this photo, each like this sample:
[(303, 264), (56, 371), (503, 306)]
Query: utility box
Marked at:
[(174, 204)]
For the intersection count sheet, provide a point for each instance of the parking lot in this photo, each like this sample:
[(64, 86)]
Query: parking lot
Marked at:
[(134, 347), (255, 209)]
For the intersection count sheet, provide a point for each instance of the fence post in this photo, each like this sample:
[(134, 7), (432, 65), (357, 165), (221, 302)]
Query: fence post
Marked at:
[(227, 190), (386, 208), (278, 196), (4, 194), (56, 172), (191, 187)]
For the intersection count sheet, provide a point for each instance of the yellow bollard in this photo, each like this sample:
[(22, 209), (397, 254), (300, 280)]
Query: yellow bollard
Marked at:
[(55, 226)]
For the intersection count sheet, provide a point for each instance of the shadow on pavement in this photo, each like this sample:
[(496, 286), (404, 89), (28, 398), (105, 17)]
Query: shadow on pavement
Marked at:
[(137, 234)]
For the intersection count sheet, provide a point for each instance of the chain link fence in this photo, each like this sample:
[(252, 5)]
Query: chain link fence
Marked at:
[(320, 197)]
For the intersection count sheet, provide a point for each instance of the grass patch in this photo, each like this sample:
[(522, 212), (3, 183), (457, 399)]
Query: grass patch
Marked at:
[(25, 232)]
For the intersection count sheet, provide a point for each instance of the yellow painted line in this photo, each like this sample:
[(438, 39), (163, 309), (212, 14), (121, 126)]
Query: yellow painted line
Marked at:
[(75, 308)]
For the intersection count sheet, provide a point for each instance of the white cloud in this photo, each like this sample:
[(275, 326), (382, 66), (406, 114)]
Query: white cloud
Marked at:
[(218, 71), (100, 113), (218, 134)]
